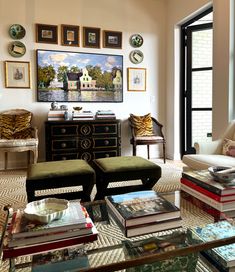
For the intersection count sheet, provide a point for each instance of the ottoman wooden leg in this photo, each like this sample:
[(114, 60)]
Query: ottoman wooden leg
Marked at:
[(149, 182), (101, 187)]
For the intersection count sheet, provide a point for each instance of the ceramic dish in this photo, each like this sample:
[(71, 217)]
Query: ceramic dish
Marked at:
[(136, 40), (46, 210), (136, 56), (16, 49), (220, 175), (17, 32)]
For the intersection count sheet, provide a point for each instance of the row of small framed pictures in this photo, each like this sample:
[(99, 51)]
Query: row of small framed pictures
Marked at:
[(17, 75), (70, 36)]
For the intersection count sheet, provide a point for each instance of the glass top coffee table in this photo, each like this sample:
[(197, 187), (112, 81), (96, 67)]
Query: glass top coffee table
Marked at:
[(109, 252)]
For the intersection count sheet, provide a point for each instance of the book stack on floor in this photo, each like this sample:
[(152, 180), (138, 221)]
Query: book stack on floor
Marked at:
[(55, 115), (143, 212), (214, 197), (105, 114), (221, 258), (83, 115), (26, 237)]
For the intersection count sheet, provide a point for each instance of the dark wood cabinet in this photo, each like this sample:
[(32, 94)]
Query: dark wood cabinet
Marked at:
[(88, 140)]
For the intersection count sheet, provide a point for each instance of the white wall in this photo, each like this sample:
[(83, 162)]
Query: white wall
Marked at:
[(129, 16)]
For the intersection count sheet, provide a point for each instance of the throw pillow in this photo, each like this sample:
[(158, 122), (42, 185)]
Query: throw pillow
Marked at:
[(143, 125), (228, 147), (13, 122)]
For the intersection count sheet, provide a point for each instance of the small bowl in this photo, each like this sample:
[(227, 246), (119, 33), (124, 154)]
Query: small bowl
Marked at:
[(221, 177), (46, 210)]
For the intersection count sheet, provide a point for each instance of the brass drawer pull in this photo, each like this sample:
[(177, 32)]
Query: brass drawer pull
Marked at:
[(106, 142), (64, 158), (106, 155), (63, 145), (106, 129), (63, 130)]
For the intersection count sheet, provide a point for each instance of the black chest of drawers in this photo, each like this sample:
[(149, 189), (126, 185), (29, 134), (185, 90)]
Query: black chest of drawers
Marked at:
[(88, 140)]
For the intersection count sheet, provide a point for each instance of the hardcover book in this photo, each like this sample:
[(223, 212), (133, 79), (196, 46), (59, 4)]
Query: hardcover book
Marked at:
[(137, 208), (70, 259), (46, 237), (219, 198), (74, 218), (12, 252), (223, 229), (207, 208), (205, 180), (222, 207)]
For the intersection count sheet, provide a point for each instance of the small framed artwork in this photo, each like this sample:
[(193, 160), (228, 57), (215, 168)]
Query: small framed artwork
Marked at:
[(17, 74), (91, 37), (112, 39), (46, 33), (136, 79), (70, 35)]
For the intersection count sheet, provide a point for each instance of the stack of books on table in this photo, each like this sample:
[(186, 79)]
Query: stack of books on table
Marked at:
[(83, 115), (214, 197), (26, 237), (105, 114), (143, 212), (221, 258), (55, 115)]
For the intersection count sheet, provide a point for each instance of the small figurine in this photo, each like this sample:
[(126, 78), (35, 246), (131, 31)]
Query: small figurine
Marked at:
[(54, 105)]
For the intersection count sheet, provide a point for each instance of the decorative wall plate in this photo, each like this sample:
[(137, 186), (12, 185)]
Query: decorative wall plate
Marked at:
[(136, 40), (17, 32), (16, 49), (136, 56)]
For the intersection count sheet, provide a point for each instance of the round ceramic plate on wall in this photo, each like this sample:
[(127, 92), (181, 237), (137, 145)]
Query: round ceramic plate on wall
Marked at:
[(136, 40), (16, 49), (136, 56), (17, 32)]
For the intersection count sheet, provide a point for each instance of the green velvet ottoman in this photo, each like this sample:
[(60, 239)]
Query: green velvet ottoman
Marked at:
[(58, 174), (116, 169)]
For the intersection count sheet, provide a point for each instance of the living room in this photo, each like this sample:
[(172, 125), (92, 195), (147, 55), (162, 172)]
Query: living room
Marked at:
[(158, 22)]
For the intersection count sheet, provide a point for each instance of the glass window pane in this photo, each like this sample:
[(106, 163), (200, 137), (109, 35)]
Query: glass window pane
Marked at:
[(202, 89), (202, 48), (201, 126)]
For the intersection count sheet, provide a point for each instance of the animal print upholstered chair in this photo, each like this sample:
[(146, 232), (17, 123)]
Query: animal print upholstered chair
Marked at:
[(146, 130), (17, 133)]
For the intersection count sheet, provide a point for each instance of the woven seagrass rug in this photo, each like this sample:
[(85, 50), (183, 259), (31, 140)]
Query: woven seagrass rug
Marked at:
[(12, 191)]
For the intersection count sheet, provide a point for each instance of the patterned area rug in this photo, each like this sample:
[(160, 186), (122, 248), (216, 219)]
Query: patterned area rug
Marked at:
[(12, 190)]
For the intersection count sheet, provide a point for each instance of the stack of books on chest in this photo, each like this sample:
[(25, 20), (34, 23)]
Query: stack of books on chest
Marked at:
[(105, 114), (26, 237), (143, 212), (83, 115), (218, 199), (221, 258), (55, 115)]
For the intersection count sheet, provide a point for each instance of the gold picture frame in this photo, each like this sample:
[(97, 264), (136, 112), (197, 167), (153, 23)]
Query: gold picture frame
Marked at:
[(91, 37), (70, 35), (136, 79), (46, 33), (17, 74)]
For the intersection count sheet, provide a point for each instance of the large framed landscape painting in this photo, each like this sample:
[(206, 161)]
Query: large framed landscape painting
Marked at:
[(64, 76)]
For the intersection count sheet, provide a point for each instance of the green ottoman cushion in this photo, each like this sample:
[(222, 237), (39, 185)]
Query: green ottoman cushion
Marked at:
[(59, 174), (124, 168), (53, 169)]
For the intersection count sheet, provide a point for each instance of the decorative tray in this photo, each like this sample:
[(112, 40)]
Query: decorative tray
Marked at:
[(46, 210), (222, 173)]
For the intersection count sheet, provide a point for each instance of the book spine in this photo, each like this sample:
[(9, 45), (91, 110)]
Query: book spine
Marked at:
[(203, 191), (204, 198), (202, 184), (214, 262), (42, 247), (204, 206)]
